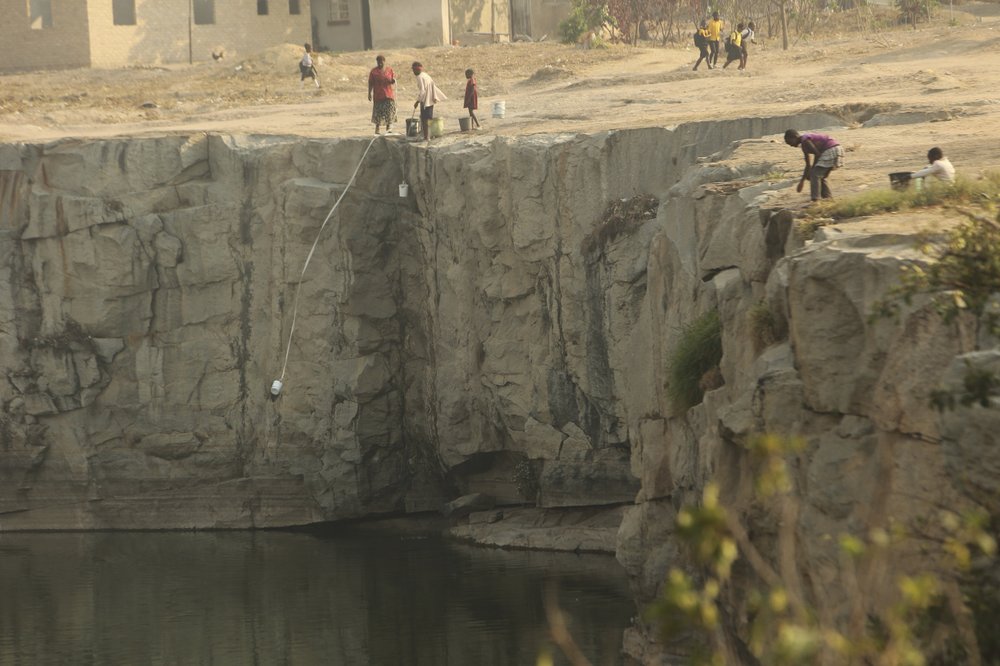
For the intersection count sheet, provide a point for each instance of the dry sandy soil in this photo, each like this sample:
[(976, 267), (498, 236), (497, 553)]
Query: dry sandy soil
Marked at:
[(939, 85)]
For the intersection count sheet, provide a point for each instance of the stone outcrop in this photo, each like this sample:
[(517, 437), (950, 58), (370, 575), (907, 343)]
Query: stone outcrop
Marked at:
[(495, 332)]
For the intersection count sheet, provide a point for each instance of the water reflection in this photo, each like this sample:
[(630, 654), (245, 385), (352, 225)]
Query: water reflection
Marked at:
[(294, 598)]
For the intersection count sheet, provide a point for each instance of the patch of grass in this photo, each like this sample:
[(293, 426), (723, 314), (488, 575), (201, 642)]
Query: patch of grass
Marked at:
[(765, 329), (808, 226), (620, 217), (983, 191), (697, 353)]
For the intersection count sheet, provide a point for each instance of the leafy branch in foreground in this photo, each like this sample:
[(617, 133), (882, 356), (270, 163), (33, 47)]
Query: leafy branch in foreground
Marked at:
[(926, 621), (961, 276)]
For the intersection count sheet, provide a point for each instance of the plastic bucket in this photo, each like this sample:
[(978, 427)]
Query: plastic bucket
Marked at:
[(412, 126), (499, 109), (276, 387), (900, 180), (465, 124), (404, 189), (436, 127)]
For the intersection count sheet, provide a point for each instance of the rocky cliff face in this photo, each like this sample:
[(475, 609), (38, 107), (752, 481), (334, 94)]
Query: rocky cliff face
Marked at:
[(482, 333), (501, 329)]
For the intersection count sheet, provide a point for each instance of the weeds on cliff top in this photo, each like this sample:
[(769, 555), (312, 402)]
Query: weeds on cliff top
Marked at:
[(621, 216), (698, 352), (983, 192), (962, 274)]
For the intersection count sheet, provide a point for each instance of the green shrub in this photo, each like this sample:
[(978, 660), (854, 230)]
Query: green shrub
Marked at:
[(765, 329), (983, 191), (698, 352), (583, 17)]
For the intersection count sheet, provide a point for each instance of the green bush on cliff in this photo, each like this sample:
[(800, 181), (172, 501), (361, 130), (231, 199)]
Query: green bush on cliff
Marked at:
[(982, 191), (695, 361)]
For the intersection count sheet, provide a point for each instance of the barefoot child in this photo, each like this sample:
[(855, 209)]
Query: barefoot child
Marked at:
[(307, 66), (471, 97)]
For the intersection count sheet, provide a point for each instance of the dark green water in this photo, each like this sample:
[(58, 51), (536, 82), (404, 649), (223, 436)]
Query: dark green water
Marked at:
[(295, 598)]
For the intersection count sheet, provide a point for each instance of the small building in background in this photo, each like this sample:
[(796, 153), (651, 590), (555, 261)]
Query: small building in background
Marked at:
[(40, 34), (354, 25)]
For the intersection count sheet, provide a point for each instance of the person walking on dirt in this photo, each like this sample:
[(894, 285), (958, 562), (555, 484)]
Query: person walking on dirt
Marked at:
[(825, 153), (380, 92), (307, 66), (471, 96), (428, 94), (701, 41), (734, 51), (714, 37), (746, 36)]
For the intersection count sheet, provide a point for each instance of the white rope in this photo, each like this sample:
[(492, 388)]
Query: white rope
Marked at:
[(298, 286)]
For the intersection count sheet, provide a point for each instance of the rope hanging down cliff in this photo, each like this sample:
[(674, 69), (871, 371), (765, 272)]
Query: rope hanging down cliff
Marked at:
[(279, 382)]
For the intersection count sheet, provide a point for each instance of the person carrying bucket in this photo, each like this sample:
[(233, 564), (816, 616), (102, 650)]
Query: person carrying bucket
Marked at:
[(428, 94)]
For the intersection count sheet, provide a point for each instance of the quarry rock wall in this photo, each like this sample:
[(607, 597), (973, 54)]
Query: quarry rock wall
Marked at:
[(503, 329)]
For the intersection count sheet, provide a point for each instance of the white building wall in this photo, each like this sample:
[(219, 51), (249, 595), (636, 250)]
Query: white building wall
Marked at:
[(166, 33), (409, 23)]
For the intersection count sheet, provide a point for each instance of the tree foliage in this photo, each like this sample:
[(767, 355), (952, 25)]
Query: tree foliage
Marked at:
[(927, 620)]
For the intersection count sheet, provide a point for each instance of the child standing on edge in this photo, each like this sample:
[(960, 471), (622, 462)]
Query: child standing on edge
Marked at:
[(307, 67), (471, 97)]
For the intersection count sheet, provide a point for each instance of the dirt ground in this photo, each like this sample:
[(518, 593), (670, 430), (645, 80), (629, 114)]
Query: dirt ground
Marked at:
[(938, 85)]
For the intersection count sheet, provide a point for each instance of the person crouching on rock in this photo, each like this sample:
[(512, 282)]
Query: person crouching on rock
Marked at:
[(428, 94), (940, 167), (823, 154)]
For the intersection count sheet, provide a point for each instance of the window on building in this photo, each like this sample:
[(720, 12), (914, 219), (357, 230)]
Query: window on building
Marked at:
[(340, 12), (293, 7), (40, 14), (124, 12), (204, 12), (262, 7)]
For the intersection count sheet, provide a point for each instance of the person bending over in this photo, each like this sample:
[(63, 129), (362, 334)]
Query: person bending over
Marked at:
[(427, 95), (822, 154)]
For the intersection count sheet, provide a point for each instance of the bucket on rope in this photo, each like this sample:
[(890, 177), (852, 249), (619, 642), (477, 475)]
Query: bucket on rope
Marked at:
[(436, 127), (499, 109), (404, 190), (276, 387), (465, 124), (412, 126)]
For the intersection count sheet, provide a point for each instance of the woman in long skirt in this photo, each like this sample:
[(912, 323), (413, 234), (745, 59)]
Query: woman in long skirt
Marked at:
[(382, 94)]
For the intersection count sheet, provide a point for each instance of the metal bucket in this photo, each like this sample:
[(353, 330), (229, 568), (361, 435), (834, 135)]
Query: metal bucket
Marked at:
[(404, 189), (436, 127), (499, 109), (465, 124), (412, 127)]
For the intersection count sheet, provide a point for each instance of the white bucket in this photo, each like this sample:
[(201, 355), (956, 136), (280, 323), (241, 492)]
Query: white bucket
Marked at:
[(499, 109), (276, 387), (404, 189)]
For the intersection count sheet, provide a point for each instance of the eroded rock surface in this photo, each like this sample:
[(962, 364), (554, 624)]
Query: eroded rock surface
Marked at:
[(492, 333)]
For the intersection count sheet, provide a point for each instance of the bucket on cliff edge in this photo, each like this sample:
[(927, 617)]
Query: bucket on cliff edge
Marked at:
[(900, 180), (465, 124), (499, 109), (435, 127), (412, 126), (404, 189)]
